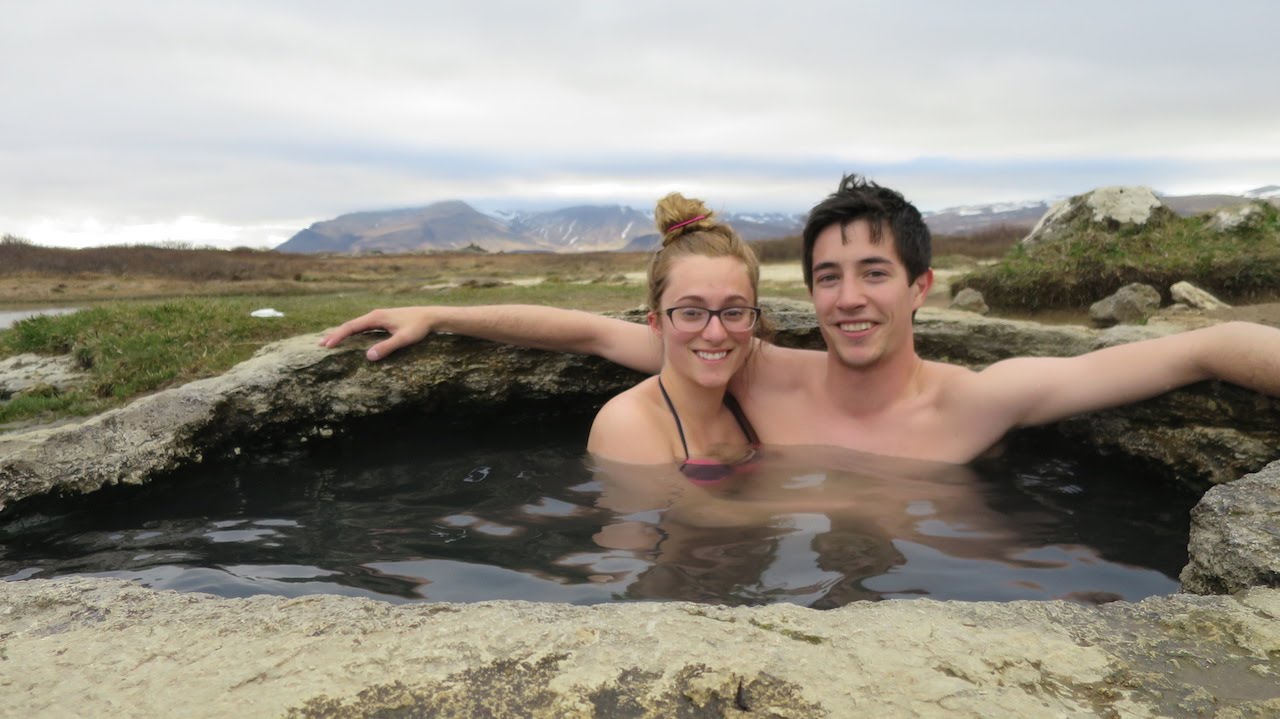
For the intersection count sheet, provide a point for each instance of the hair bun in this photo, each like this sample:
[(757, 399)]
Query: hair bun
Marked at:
[(676, 215)]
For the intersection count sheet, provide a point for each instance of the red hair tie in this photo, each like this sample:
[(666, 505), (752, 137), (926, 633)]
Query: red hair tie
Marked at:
[(678, 225)]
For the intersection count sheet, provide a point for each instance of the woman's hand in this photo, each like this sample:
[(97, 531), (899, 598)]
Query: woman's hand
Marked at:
[(407, 325)]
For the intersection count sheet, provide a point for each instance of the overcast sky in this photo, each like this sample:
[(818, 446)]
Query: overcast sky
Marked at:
[(239, 123)]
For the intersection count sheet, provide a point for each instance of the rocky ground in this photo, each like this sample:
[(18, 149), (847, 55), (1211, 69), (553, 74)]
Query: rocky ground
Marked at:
[(1266, 313), (101, 648)]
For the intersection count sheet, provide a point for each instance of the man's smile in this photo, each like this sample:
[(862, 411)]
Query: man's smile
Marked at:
[(855, 327)]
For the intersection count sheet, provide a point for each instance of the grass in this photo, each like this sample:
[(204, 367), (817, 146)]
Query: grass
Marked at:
[(1242, 265), (132, 348)]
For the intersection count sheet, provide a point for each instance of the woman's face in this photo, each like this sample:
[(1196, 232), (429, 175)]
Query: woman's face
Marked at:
[(711, 356)]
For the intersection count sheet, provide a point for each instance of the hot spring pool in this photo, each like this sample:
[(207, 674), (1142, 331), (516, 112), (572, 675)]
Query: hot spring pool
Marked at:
[(419, 516)]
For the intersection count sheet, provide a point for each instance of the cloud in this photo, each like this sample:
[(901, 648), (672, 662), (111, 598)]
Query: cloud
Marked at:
[(244, 113)]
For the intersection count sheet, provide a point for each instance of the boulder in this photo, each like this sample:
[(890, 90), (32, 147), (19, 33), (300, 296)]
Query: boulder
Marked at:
[(106, 648), (1192, 296), (1131, 304), (1236, 217), (969, 300), (27, 372), (1235, 536), (1113, 208)]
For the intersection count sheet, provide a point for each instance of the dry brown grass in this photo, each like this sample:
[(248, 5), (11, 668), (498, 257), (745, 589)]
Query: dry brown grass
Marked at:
[(988, 244), (34, 274)]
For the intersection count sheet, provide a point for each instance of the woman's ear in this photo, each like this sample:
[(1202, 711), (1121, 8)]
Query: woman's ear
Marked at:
[(655, 323)]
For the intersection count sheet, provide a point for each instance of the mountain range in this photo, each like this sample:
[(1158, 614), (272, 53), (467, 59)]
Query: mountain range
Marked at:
[(455, 225)]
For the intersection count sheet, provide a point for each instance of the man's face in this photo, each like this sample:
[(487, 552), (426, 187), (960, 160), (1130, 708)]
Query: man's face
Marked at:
[(861, 295)]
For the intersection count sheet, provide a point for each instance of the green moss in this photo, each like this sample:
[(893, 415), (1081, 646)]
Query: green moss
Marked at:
[(789, 633), (129, 349), (1240, 265)]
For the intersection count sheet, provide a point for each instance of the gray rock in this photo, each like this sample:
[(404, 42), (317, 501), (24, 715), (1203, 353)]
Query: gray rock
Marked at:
[(76, 643), (1235, 536), (1192, 296), (969, 300), (1111, 207), (1235, 217), (1131, 304), (25, 372), (1125, 205)]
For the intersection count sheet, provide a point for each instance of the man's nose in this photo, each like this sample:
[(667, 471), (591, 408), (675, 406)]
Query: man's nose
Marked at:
[(852, 293)]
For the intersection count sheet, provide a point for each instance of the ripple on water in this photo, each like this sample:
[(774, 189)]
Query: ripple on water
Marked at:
[(402, 520)]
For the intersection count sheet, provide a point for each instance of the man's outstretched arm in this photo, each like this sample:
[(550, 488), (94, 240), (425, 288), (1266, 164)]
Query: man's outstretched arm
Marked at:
[(1033, 391), (629, 344)]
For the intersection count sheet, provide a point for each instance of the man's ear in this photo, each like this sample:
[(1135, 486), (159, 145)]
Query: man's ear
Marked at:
[(655, 323), (920, 288)]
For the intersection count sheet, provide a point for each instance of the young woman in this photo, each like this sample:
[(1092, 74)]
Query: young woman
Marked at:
[(702, 309)]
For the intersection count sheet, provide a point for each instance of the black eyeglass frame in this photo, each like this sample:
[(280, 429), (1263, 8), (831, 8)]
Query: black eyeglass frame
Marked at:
[(756, 313)]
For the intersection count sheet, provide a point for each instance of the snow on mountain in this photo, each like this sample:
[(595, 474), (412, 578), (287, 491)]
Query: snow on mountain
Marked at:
[(591, 228), (1269, 192)]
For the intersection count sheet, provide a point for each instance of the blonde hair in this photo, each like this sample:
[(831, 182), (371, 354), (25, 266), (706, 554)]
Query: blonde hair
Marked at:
[(689, 228)]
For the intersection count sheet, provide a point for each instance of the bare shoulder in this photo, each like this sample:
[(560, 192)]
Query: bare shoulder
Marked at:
[(629, 428), (950, 381), (964, 394)]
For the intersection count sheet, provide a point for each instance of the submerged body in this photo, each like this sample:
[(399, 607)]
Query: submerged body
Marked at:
[(409, 518)]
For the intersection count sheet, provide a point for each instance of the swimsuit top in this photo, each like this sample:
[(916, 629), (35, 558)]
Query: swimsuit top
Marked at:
[(710, 470)]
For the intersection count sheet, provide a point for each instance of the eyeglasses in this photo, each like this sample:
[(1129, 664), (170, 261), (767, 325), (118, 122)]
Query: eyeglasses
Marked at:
[(695, 319)]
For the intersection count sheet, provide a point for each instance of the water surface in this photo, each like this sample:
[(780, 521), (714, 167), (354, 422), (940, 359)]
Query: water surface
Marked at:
[(9, 317), (417, 515)]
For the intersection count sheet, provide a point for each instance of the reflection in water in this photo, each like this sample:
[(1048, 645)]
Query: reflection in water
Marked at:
[(819, 527)]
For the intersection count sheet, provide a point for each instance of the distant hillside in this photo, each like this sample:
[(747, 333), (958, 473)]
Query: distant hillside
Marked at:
[(442, 226), (580, 229), (752, 227), (977, 218), (454, 225)]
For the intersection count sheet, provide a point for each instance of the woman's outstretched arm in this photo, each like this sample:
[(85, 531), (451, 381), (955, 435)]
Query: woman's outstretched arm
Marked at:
[(629, 344)]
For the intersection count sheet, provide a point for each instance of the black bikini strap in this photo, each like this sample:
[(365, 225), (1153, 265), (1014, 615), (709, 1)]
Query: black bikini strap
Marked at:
[(679, 426), (736, 409)]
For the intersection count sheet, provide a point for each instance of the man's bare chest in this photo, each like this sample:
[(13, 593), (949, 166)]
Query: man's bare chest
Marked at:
[(919, 432)]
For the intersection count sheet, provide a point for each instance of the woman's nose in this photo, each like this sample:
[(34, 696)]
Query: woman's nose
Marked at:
[(715, 328)]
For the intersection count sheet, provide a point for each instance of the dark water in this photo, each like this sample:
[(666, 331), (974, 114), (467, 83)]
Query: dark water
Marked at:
[(420, 516)]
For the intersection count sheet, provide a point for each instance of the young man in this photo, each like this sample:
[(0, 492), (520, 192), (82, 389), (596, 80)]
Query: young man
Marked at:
[(866, 255)]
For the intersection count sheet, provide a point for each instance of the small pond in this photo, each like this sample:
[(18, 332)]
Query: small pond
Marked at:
[(10, 316), (417, 515)]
